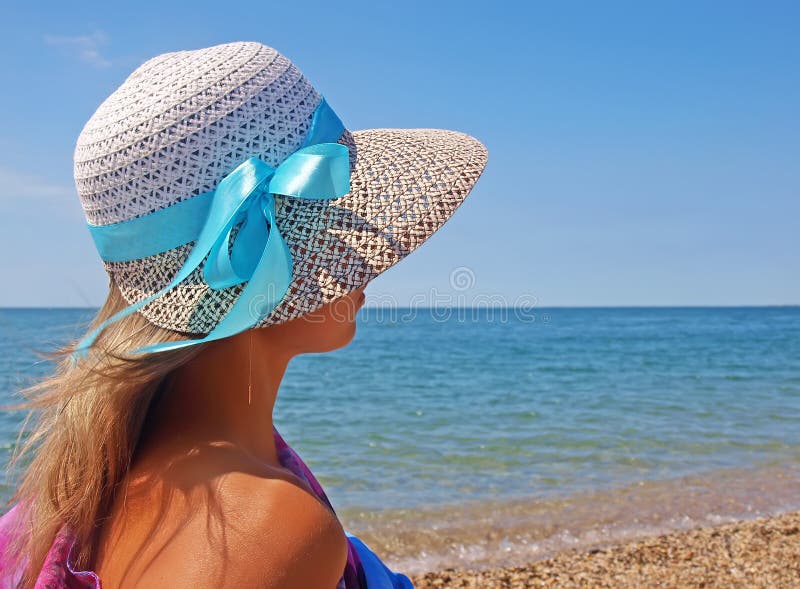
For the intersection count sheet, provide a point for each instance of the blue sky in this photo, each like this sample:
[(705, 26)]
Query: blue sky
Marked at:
[(640, 153)]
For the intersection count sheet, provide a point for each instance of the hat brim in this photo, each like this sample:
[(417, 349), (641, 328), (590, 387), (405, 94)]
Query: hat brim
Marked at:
[(405, 184)]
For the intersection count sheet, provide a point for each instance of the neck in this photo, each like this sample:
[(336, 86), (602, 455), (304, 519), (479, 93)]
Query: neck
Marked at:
[(227, 394)]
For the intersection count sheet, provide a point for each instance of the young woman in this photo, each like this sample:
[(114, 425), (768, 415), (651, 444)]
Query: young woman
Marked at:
[(239, 222)]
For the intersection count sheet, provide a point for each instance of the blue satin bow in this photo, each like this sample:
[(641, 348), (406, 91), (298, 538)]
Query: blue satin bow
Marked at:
[(259, 256)]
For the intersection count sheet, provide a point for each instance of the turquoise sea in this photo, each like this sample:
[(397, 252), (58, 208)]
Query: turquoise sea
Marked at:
[(436, 425)]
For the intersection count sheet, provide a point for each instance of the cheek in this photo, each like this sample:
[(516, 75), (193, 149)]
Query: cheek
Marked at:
[(343, 310), (329, 336), (330, 328)]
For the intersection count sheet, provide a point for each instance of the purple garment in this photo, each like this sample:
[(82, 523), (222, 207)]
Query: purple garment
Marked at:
[(58, 572)]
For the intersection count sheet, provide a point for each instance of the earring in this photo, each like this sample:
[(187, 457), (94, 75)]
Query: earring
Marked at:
[(250, 373)]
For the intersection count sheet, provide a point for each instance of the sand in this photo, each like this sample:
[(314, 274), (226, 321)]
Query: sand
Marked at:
[(763, 552)]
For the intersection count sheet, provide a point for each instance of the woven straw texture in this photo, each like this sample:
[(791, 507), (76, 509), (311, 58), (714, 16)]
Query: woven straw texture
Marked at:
[(183, 120)]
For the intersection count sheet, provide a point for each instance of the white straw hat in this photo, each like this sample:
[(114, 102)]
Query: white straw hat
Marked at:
[(183, 121)]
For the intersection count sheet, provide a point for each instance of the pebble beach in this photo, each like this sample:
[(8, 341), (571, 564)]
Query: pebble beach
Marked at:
[(762, 552)]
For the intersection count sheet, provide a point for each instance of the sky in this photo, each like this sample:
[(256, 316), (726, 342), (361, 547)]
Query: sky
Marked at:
[(640, 153)]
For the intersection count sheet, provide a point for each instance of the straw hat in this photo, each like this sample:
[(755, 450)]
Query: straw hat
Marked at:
[(183, 121)]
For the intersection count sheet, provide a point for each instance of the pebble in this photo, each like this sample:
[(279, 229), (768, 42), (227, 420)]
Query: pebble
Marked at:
[(758, 553)]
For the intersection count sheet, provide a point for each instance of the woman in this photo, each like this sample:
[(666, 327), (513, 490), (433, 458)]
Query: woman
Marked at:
[(239, 222)]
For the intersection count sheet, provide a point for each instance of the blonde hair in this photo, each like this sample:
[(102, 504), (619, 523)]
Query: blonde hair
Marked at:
[(87, 420)]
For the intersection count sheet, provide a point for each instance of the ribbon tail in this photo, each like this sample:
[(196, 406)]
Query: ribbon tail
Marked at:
[(81, 349), (196, 256)]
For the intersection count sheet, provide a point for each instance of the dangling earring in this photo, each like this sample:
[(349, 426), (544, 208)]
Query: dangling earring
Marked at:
[(250, 373)]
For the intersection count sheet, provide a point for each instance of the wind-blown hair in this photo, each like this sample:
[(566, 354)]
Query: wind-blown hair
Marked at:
[(81, 433)]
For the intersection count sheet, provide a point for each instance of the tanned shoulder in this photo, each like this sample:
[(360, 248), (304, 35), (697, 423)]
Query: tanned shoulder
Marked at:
[(286, 537)]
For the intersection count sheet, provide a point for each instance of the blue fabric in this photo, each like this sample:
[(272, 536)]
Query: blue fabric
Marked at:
[(378, 575), (259, 256), (157, 232)]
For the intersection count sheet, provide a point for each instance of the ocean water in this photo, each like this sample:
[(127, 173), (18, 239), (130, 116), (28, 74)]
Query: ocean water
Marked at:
[(516, 421)]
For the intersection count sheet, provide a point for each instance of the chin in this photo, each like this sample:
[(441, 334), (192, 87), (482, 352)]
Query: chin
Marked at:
[(336, 338), (348, 335)]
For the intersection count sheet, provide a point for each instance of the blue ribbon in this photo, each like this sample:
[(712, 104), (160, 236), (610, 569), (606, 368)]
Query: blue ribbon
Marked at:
[(320, 169)]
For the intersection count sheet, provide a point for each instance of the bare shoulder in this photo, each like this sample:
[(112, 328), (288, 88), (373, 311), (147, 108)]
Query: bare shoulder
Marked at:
[(307, 544), (242, 527)]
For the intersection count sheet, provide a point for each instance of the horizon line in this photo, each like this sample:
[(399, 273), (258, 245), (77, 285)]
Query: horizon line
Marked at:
[(643, 306)]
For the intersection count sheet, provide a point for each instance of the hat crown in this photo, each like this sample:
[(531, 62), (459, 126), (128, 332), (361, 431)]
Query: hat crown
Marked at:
[(183, 120)]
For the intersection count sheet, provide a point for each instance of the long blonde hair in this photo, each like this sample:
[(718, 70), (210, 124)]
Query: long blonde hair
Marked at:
[(86, 422)]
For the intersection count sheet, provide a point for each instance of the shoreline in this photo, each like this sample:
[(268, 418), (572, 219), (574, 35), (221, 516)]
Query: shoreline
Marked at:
[(761, 552), (497, 534)]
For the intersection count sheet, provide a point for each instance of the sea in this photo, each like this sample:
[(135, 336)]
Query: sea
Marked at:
[(493, 436)]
